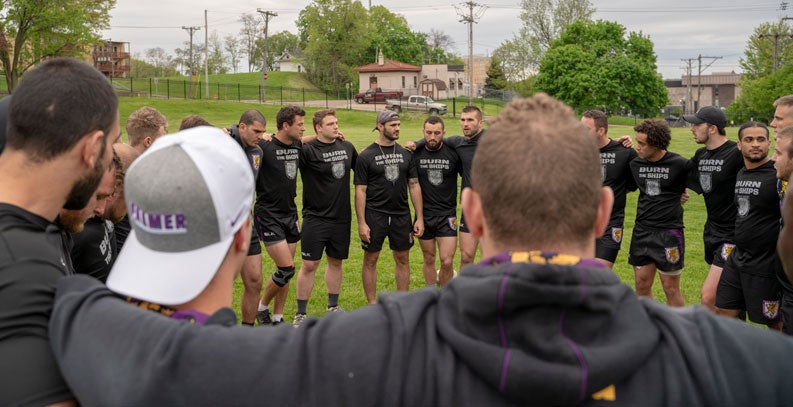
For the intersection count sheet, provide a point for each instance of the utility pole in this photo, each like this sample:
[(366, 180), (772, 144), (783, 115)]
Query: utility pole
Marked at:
[(266, 15), (468, 16), (688, 105), (206, 54), (191, 30), (699, 74)]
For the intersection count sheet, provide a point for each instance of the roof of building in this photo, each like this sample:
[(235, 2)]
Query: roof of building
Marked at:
[(389, 65), (439, 84)]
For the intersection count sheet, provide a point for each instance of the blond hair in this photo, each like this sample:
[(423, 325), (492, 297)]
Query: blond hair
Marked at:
[(144, 122)]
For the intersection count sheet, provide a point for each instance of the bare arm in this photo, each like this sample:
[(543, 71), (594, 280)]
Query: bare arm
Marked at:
[(360, 211), (418, 205)]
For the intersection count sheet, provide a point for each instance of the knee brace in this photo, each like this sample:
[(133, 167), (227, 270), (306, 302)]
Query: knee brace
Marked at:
[(282, 275)]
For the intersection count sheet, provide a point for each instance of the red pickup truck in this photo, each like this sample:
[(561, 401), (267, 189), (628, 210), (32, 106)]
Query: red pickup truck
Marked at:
[(376, 95)]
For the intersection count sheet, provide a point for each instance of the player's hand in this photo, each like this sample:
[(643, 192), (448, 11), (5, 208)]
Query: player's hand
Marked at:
[(626, 141), (411, 146), (684, 198), (418, 228), (225, 130), (364, 232), (266, 137), (341, 136)]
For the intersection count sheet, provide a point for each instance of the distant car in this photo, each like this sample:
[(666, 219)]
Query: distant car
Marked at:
[(376, 95), (416, 103)]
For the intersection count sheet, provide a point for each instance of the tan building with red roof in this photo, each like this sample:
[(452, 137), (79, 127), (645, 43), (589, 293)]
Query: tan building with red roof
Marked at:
[(437, 81)]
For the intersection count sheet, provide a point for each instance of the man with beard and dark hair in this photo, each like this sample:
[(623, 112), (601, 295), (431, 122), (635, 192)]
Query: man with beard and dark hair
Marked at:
[(63, 121), (749, 280), (384, 172), (116, 212)]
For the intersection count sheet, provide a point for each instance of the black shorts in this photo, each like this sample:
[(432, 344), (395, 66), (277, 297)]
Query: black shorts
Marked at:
[(717, 248), (665, 248), (463, 228), (398, 228), (320, 234), (439, 226), (608, 246), (273, 230), (255, 247), (758, 295)]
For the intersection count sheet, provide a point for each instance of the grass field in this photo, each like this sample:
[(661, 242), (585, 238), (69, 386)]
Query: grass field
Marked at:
[(357, 128)]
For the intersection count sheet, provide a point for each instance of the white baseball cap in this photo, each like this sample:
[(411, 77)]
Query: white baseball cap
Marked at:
[(187, 196)]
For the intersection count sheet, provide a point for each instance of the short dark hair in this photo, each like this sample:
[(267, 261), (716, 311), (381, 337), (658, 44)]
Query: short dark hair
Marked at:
[(751, 124), (56, 104), (600, 119), (287, 115), (435, 120), (250, 116), (471, 108), (193, 120), (319, 115), (657, 131)]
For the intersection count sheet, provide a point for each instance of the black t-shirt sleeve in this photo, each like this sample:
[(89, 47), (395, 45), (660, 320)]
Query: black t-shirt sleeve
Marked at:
[(413, 171), (361, 175)]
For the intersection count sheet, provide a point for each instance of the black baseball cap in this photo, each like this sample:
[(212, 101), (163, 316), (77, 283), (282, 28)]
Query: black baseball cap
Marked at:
[(708, 114)]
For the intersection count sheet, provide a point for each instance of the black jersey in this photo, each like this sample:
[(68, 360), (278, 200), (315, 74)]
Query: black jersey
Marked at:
[(385, 172), (254, 153), (121, 230), (714, 177), (94, 249), (466, 148), (616, 174), (276, 185), (325, 170), (757, 220), (661, 183), (32, 260), (437, 172)]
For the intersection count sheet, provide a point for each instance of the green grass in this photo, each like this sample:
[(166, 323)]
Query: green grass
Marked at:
[(357, 126)]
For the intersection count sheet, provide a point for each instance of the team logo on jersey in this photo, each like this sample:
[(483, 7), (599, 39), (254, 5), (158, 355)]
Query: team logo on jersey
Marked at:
[(256, 159), (771, 309), (391, 172), (616, 234), (338, 169), (452, 222), (705, 182), (743, 205), (291, 169), (435, 177), (653, 187), (602, 173), (672, 254), (726, 250)]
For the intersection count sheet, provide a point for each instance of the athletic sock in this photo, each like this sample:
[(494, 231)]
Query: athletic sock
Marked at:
[(333, 300), (263, 307), (278, 317), (301, 306)]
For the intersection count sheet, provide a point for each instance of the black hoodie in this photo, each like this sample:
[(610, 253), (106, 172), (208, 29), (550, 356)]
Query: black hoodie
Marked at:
[(561, 332)]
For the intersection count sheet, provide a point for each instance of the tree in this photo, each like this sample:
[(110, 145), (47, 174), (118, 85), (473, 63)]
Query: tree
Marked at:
[(216, 60), (278, 43), (594, 65), (758, 59), (335, 36), (495, 75), (233, 49), (391, 34), (146, 69), (159, 59), (31, 30), (438, 39), (250, 34), (182, 58), (543, 21)]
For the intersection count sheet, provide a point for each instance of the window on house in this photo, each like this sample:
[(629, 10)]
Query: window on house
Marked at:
[(415, 81), (451, 84), (403, 82)]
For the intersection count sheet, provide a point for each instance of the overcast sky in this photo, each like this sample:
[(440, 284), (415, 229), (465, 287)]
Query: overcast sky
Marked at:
[(680, 29)]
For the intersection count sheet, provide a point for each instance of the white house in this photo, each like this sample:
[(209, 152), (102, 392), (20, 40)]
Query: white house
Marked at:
[(288, 62)]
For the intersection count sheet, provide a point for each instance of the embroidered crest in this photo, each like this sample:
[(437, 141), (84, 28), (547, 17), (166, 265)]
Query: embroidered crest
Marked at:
[(726, 250), (653, 187), (435, 177), (452, 222), (616, 235), (743, 205), (291, 169), (672, 254), (705, 182), (391, 172), (256, 159), (771, 309), (338, 169)]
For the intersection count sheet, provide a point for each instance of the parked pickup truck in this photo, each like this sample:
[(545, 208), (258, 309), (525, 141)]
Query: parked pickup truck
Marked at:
[(416, 103), (376, 95)]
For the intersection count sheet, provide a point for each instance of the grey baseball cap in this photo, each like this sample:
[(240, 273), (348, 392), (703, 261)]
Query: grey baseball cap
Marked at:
[(385, 116), (187, 196)]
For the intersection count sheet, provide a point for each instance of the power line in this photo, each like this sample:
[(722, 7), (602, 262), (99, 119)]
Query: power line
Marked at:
[(470, 18)]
